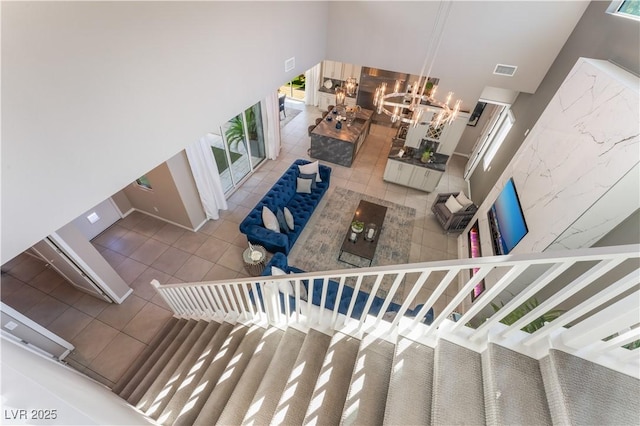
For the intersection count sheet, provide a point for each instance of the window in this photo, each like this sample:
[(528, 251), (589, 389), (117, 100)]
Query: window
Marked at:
[(504, 124), (143, 182), (238, 146), (295, 88), (625, 8)]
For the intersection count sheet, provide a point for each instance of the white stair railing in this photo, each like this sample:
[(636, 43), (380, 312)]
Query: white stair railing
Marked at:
[(257, 300)]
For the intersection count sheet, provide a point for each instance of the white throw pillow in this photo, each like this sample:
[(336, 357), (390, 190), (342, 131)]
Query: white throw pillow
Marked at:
[(270, 220), (453, 205), (310, 168), (288, 217), (304, 186), (463, 200), (303, 289), (285, 287)]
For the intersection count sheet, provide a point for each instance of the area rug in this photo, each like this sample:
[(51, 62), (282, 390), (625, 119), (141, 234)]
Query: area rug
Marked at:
[(319, 244), (291, 114)]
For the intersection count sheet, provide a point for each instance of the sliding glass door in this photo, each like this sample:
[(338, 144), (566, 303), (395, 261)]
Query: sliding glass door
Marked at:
[(238, 146)]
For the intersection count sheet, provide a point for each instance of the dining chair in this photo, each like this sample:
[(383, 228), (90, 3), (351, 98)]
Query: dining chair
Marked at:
[(281, 104)]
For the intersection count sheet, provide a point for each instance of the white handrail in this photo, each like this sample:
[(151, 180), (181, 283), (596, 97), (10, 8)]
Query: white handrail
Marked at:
[(247, 298)]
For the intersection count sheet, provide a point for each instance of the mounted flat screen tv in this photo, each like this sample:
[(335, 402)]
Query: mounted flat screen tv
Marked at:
[(506, 220)]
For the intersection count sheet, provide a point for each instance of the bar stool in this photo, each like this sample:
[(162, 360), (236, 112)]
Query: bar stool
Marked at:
[(318, 121), (310, 129), (331, 107)]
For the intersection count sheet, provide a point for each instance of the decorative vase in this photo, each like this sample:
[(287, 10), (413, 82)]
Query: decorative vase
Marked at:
[(370, 232)]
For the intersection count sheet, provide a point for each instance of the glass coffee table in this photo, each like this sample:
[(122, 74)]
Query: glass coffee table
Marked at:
[(363, 247)]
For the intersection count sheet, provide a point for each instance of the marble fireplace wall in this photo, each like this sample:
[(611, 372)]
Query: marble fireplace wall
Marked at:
[(576, 173)]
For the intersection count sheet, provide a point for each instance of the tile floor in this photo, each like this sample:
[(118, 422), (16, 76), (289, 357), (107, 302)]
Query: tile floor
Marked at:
[(141, 248)]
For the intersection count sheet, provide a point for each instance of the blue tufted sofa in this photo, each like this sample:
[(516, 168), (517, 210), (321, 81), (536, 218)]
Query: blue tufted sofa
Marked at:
[(283, 194), (280, 260)]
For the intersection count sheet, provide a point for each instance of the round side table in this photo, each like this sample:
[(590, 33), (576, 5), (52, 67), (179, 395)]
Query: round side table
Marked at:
[(254, 265)]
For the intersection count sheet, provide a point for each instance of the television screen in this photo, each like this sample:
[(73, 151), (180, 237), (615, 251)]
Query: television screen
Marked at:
[(507, 220)]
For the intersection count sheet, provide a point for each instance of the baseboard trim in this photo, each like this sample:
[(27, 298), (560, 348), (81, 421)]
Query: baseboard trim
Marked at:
[(164, 220)]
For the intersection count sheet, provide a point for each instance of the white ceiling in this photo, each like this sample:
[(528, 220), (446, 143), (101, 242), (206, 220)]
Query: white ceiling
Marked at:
[(478, 35)]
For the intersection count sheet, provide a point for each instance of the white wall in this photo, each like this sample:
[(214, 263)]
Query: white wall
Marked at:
[(478, 35), (576, 173), (31, 382), (94, 94), (584, 143)]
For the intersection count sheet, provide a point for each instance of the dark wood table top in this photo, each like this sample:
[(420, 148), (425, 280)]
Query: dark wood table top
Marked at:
[(368, 213)]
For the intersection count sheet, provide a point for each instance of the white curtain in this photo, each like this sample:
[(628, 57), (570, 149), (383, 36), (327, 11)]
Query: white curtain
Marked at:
[(311, 84), (272, 125), (207, 178)]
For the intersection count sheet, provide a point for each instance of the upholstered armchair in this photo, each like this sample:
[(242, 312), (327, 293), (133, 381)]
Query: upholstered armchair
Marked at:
[(463, 210)]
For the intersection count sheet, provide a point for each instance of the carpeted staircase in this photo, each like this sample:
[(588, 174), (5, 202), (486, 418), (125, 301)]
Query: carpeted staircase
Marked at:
[(205, 373)]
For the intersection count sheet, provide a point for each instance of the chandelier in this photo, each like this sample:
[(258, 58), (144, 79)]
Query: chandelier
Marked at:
[(340, 96), (350, 86), (409, 105)]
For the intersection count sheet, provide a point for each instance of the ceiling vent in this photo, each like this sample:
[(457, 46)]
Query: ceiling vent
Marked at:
[(289, 64), (507, 70)]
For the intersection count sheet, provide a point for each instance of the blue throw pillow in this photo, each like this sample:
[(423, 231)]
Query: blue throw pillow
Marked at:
[(282, 221), (311, 176)]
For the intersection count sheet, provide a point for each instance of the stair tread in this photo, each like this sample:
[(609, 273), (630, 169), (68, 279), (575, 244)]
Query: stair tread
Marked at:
[(366, 399), (151, 360), (226, 384), (513, 388), (160, 363), (182, 370), (182, 394), (215, 369), (169, 370), (458, 396), (240, 400), (291, 408), (157, 340), (332, 385), (267, 396), (593, 394), (410, 386)]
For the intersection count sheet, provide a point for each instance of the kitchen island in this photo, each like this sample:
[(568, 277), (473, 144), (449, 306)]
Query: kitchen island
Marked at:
[(409, 171), (340, 146)]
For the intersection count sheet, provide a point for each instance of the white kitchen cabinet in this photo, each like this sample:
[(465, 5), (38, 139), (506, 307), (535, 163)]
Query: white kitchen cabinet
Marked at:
[(447, 140), (332, 69), (452, 133), (417, 177), (419, 132), (398, 172), (350, 70), (424, 179), (324, 100), (350, 101)]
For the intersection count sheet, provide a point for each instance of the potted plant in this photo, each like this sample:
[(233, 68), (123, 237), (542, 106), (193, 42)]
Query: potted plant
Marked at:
[(524, 309), (357, 226), (426, 156)]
